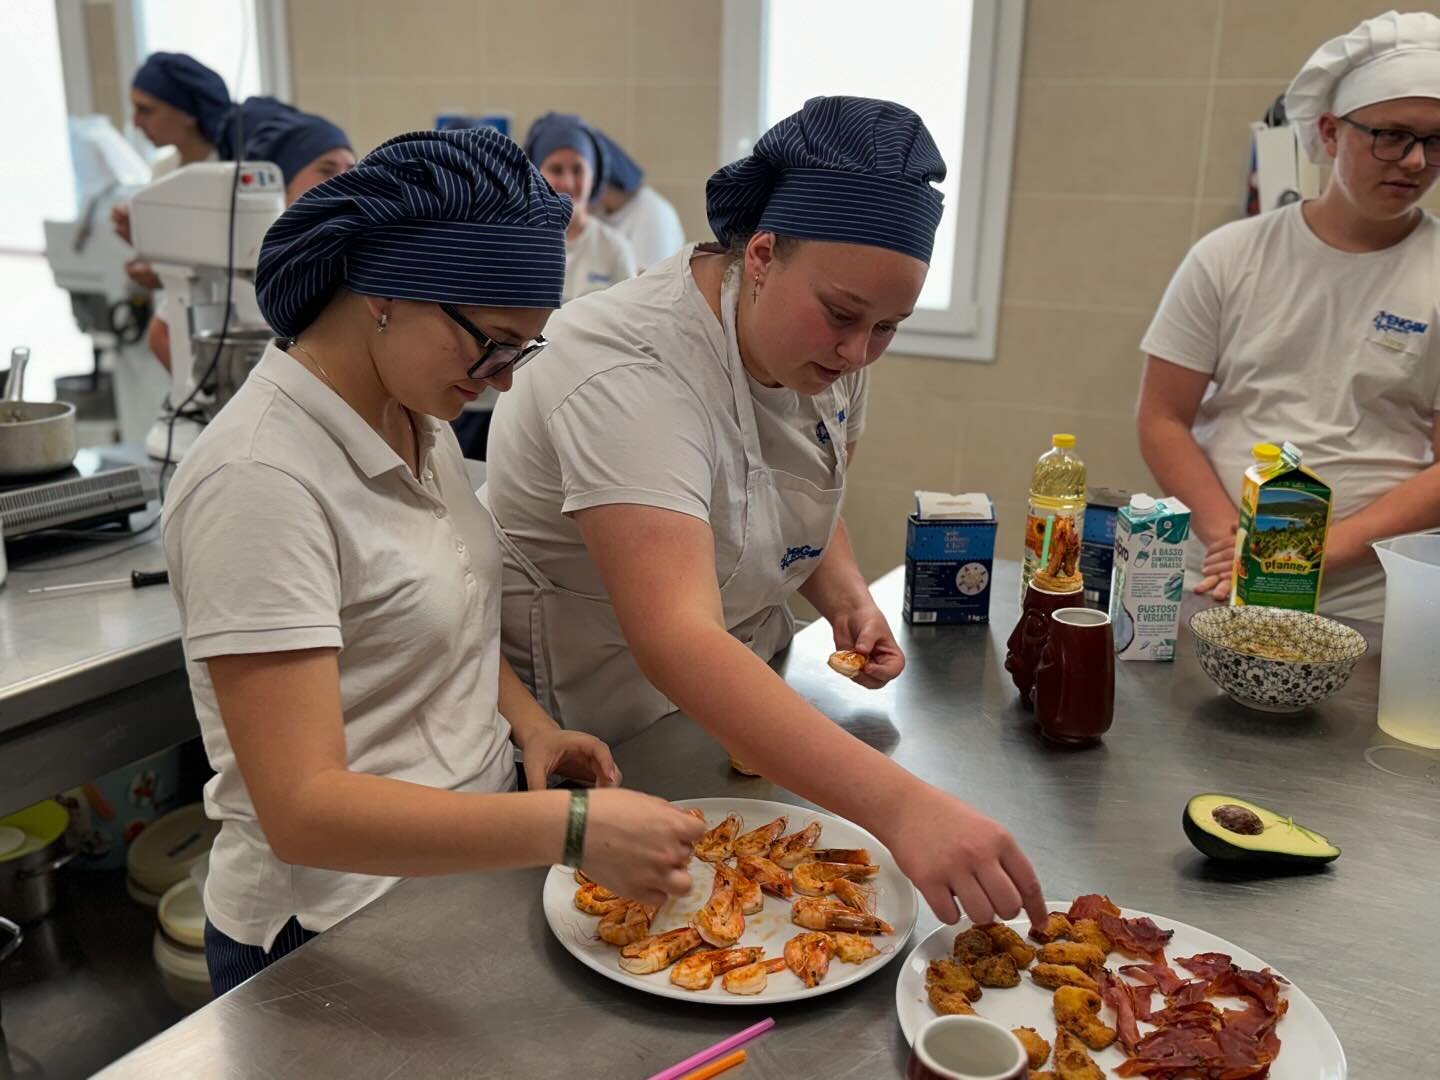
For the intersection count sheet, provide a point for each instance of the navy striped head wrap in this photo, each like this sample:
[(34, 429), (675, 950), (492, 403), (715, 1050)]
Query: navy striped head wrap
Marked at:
[(846, 169), (292, 140), (454, 216), (188, 85), (621, 170), (565, 131)]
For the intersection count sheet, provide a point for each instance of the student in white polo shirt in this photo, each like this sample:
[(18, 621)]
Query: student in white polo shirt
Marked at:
[(338, 582)]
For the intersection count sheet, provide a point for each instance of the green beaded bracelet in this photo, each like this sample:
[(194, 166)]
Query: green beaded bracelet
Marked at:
[(575, 828)]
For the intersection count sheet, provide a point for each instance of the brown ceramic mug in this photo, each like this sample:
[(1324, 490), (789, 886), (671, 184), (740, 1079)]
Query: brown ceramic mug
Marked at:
[(1075, 679), (1027, 640), (966, 1048)]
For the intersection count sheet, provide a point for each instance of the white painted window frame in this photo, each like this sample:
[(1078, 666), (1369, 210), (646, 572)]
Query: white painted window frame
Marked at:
[(965, 330), (272, 40)]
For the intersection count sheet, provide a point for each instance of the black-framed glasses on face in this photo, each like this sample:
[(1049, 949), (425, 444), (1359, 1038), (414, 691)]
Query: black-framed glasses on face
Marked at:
[(495, 356), (1395, 144)]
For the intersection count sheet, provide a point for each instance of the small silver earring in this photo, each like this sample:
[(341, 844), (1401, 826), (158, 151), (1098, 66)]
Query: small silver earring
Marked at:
[(382, 322)]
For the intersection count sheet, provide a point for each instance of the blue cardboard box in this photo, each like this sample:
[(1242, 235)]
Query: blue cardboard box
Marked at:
[(949, 563)]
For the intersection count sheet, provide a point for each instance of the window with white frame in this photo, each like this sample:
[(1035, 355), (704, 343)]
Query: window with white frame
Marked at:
[(957, 64)]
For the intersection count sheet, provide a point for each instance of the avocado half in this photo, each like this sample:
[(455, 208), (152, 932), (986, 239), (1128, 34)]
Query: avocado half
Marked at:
[(1230, 828)]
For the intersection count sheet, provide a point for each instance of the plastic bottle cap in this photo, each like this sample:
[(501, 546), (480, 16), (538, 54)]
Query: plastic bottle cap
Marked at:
[(1067, 441), (1142, 504), (1265, 451)]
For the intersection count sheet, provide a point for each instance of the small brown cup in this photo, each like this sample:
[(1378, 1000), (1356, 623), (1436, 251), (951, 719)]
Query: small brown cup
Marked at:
[(1075, 679)]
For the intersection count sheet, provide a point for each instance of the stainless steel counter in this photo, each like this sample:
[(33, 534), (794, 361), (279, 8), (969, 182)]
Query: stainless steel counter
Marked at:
[(91, 681), (461, 977)]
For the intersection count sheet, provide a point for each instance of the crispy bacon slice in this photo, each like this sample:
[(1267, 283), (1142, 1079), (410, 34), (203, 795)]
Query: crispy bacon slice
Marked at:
[(1091, 906), (1160, 976), (1206, 965), (1139, 938), (1119, 995)]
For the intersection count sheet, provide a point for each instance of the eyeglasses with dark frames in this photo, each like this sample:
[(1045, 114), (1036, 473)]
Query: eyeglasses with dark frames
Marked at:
[(495, 356)]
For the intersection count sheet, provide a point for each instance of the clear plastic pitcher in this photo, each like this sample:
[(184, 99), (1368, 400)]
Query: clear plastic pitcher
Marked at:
[(1410, 652)]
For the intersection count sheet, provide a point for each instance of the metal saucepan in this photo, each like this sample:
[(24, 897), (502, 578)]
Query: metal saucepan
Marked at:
[(36, 437)]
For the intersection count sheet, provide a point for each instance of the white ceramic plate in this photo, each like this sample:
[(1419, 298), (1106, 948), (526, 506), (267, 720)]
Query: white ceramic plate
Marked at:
[(895, 902), (1309, 1048)]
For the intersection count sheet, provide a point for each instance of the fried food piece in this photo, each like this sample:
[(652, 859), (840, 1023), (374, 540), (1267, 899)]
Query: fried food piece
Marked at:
[(1088, 932), (1007, 940), (1076, 1011), (1086, 957), (848, 662), (972, 944), (1072, 1062), (1036, 1048), (1057, 926), (953, 977), (1054, 976), (948, 1003), (852, 948), (1046, 1075), (997, 970)]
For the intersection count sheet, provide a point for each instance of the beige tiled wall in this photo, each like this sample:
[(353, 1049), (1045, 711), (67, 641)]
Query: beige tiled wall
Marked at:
[(646, 71)]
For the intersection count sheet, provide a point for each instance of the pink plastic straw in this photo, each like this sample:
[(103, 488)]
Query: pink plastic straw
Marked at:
[(674, 1072)]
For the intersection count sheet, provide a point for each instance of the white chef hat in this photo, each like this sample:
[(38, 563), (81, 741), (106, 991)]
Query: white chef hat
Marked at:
[(1389, 56)]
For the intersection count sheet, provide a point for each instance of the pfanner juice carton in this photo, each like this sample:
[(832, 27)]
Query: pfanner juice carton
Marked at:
[(1280, 544), (1149, 577)]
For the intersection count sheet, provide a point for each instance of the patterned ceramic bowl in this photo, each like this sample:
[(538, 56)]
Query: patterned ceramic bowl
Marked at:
[(1272, 659)]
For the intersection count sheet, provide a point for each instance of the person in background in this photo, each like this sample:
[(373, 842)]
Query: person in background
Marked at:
[(568, 154), (338, 584), (1316, 323), (674, 473), (634, 209), (309, 150), (177, 103)]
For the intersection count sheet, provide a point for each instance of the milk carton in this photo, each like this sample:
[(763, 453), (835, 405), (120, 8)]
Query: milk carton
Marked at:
[(949, 557), (1149, 580), (1284, 521)]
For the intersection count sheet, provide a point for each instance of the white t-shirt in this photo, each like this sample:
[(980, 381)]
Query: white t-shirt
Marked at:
[(791, 436), (292, 525), (1334, 351), (616, 411), (596, 259), (651, 225)]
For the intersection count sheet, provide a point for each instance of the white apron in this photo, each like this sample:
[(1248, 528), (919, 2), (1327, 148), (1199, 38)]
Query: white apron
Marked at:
[(569, 647)]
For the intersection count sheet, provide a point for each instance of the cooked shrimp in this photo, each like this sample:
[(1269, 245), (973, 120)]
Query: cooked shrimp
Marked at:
[(852, 895), (626, 924), (808, 956), (698, 970), (853, 948), (581, 878), (595, 899), (822, 913), (715, 845), (656, 953), (758, 841), (848, 662), (751, 978), (748, 891), (817, 878), (721, 921), (857, 855), (790, 851), (773, 879)]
